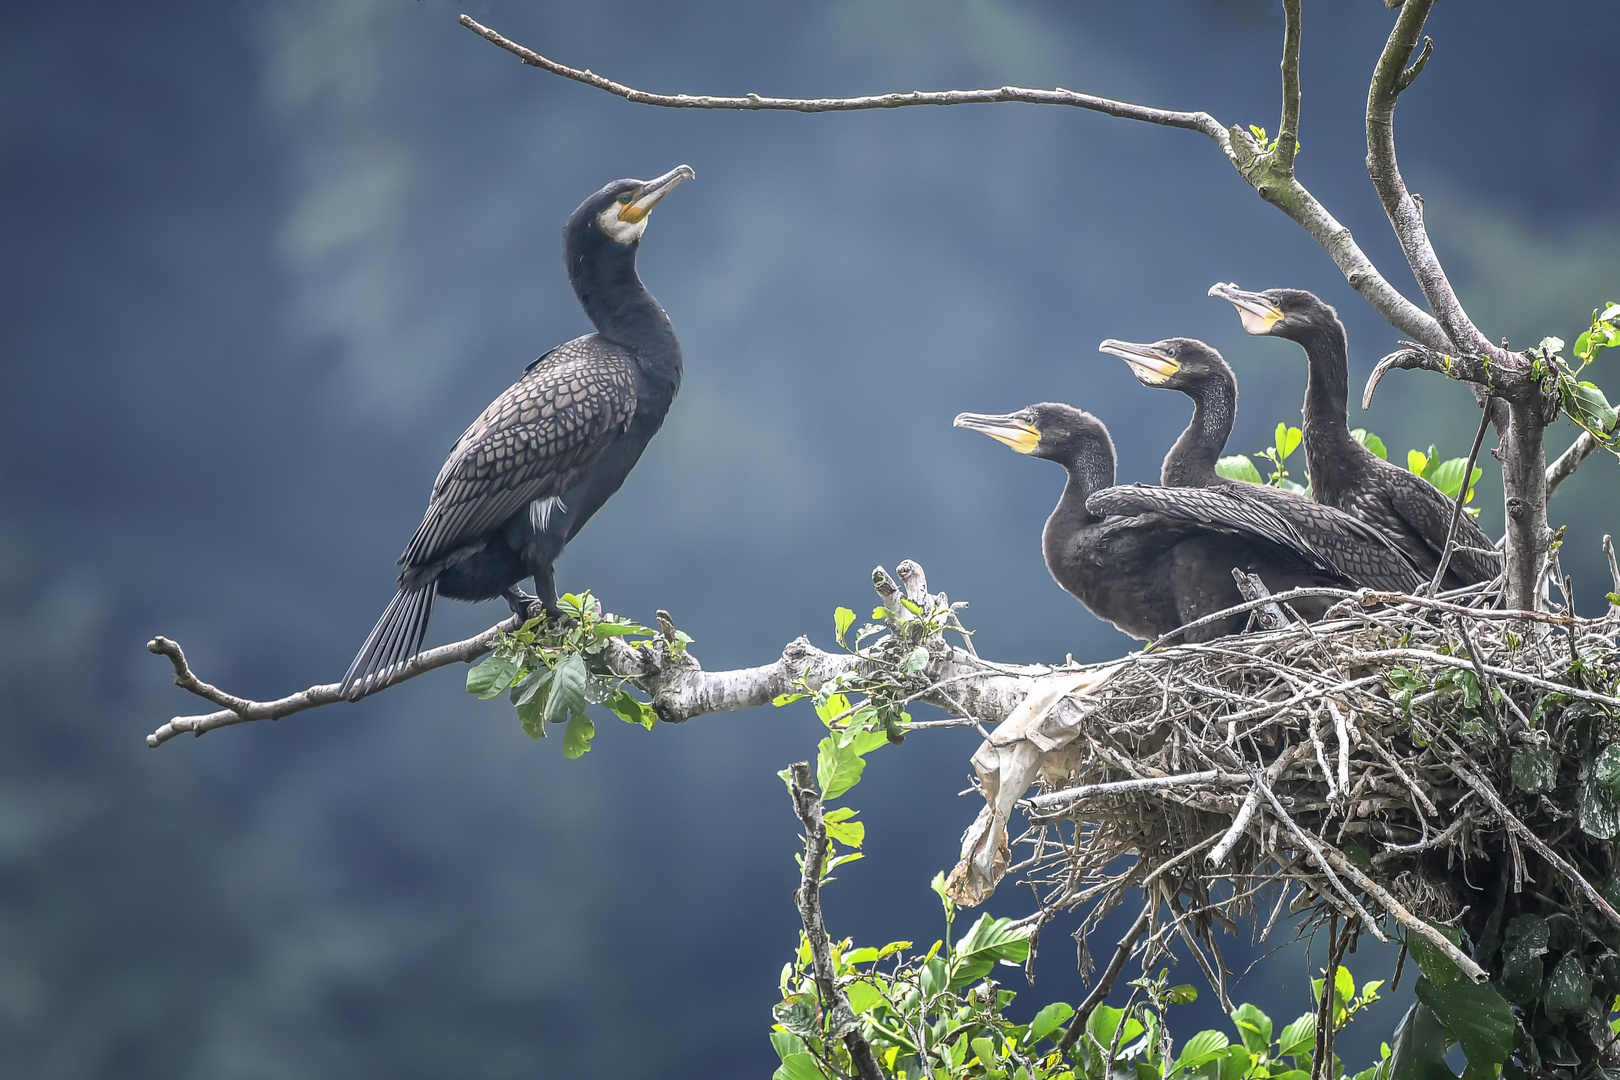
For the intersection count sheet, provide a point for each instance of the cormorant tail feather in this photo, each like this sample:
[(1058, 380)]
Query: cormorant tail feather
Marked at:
[(395, 640)]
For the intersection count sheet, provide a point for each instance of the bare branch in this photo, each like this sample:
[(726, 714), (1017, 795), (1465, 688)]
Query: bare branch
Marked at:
[(1105, 982), (1288, 124), (673, 678), (1390, 77), (1570, 460), (238, 710), (1191, 121), (1462, 497), (1268, 173), (838, 1015)]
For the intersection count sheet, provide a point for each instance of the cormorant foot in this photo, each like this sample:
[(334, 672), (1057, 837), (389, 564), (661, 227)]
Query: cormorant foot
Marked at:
[(527, 606)]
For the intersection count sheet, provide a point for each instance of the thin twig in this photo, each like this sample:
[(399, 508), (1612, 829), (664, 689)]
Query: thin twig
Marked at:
[(1462, 497), (838, 1015), (1105, 982)]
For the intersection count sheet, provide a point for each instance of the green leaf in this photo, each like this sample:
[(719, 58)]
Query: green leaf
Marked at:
[(1298, 1038), (787, 699), (607, 629), (1436, 966), (577, 738), (863, 996), (1606, 769), (1610, 313), (933, 976), (1569, 989), (1419, 1050), (1049, 1020), (1478, 1017), (1522, 949), (1534, 769), (567, 698), (1184, 994), (843, 619), (632, 710), (797, 1014), (1587, 404), (1202, 1047), (1254, 1027), (490, 677), (785, 1043), (846, 832), (798, 1067), (1344, 986), (1416, 462), (1447, 476), (1239, 467), (1371, 442), (915, 661), (1599, 805), (987, 942), (838, 768)]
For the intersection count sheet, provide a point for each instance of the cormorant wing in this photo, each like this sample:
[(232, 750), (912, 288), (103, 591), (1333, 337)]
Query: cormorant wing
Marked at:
[(1215, 509), (1426, 508), (1359, 550), (532, 442)]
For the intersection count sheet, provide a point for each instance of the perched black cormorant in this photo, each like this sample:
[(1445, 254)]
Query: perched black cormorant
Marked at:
[(547, 453), (1150, 559), (1199, 371), (1412, 512)]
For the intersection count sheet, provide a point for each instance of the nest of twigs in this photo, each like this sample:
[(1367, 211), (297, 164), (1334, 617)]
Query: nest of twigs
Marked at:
[(1406, 762)]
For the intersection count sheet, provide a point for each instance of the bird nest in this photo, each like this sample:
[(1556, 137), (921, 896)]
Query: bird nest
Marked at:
[(1390, 766)]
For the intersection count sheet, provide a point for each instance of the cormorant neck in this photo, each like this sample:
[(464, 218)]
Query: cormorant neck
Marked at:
[(1091, 469), (1327, 388), (603, 274), (1191, 461)]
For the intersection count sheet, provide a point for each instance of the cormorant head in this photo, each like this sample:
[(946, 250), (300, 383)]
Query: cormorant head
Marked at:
[(1179, 363), (1285, 313), (619, 211), (1050, 430)]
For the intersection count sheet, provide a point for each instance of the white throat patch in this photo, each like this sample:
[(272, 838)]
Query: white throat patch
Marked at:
[(623, 232)]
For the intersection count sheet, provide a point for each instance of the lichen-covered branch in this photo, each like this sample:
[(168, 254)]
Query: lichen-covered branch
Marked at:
[(672, 677)]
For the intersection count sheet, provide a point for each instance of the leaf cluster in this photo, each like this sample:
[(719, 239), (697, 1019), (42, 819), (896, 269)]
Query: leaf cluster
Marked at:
[(1583, 401), (553, 668), (1443, 474)]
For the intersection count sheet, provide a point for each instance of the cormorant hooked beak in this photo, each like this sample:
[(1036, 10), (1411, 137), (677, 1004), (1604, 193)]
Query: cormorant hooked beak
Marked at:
[(1007, 429), (1259, 313), (652, 191), (1150, 366)]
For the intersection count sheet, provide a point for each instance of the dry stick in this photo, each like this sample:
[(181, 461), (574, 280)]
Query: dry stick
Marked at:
[(1506, 673), (1105, 982), (1614, 572), (1462, 497), (807, 805), (1070, 796), (1240, 820), (1565, 465)]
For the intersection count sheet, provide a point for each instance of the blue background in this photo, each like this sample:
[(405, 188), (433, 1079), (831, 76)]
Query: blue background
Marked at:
[(262, 263)]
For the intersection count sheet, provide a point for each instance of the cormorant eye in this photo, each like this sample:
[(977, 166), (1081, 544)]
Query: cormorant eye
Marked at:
[(625, 199)]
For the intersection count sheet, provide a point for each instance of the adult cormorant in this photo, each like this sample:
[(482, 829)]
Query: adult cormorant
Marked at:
[(1412, 512), (1150, 559), (1199, 371), (547, 453)]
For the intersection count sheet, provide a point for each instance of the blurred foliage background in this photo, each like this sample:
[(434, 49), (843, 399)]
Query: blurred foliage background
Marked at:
[(262, 264)]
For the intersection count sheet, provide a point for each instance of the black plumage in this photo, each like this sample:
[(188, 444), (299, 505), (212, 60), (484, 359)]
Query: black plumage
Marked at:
[(1198, 370), (1410, 511), (549, 451), (1150, 559)]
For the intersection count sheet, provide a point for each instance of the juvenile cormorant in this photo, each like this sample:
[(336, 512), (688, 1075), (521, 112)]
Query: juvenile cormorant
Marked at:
[(549, 451), (1199, 371), (1150, 559), (1412, 512)]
